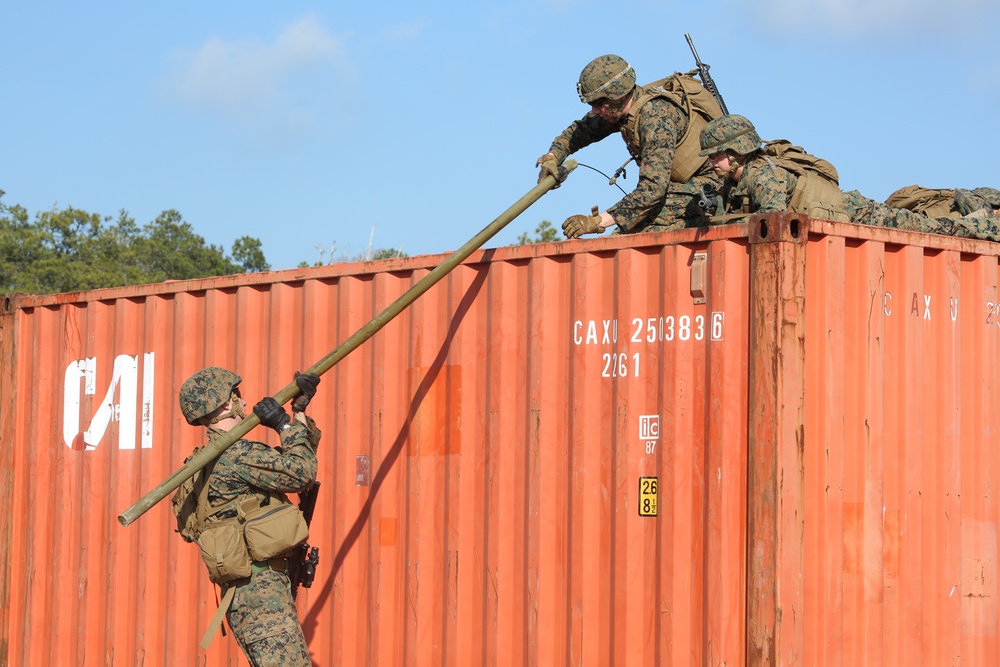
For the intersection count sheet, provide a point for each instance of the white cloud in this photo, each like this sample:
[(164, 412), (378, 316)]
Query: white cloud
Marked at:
[(273, 87), (868, 17), (405, 32)]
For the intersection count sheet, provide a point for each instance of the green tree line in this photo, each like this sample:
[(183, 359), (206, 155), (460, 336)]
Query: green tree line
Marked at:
[(69, 250)]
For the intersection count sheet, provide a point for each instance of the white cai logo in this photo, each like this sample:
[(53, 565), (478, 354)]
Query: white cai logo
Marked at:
[(124, 378)]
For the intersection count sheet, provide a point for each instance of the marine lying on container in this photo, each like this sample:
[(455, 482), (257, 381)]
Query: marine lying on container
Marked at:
[(236, 510), (776, 176), (946, 202)]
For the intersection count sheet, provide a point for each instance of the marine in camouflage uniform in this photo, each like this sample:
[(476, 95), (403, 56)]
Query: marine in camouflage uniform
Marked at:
[(608, 85), (755, 184), (953, 203), (262, 614)]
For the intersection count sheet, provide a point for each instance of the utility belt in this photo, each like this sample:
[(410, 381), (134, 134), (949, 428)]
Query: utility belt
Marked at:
[(274, 564)]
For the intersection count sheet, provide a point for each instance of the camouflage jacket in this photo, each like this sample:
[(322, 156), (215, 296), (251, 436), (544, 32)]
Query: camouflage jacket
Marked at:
[(254, 469), (661, 126), (764, 187)]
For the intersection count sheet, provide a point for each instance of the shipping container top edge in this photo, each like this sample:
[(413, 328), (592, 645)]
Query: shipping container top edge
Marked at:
[(608, 242), (902, 237), (813, 228)]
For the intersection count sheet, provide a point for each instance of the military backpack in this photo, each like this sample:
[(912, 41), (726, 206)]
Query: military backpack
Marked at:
[(690, 96), (817, 192)]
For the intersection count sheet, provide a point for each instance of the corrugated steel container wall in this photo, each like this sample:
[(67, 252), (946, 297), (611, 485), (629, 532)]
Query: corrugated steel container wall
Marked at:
[(900, 482), (481, 461), (484, 454)]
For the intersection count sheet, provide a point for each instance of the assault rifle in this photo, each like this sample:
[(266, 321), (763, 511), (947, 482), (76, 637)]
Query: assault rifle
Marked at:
[(708, 201), (706, 78), (304, 559)]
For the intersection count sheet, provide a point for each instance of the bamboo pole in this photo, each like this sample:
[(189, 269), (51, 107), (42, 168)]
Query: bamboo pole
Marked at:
[(219, 445)]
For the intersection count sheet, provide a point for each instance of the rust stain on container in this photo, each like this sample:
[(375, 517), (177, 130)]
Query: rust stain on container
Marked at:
[(816, 402)]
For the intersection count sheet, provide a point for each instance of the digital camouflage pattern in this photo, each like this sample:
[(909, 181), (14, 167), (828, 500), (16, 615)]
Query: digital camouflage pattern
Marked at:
[(607, 76), (265, 622), (206, 391), (731, 132), (764, 187), (979, 199), (657, 203), (263, 616), (867, 211)]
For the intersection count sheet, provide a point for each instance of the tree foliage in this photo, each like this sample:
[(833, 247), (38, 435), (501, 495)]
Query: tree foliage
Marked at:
[(70, 250), (544, 233), (331, 256)]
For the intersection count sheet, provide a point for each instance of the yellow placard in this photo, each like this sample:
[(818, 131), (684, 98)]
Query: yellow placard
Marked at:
[(647, 496)]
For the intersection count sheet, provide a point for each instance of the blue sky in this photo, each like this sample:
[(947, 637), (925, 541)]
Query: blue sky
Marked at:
[(319, 126)]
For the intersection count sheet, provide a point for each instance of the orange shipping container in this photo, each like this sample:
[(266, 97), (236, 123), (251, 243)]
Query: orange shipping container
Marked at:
[(763, 444)]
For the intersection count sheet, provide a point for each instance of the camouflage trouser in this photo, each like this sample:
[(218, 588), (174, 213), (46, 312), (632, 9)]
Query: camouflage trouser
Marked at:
[(867, 211), (266, 624), (680, 206), (980, 199)]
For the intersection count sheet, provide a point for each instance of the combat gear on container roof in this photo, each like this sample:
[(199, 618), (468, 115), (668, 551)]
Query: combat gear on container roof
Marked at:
[(952, 203), (782, 177), (607, 76), (698, 106), (805, 183)]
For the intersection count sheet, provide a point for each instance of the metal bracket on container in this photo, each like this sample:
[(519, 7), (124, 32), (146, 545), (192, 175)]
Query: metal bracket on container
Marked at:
[(699, 269), (776, 227)]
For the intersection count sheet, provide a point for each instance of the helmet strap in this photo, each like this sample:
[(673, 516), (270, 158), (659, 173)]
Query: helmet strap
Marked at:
[(235, 411), (735, 162)]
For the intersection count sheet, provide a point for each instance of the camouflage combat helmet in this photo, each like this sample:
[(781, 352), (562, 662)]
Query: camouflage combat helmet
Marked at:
[(732, 132), (607, 76), (206, 391)]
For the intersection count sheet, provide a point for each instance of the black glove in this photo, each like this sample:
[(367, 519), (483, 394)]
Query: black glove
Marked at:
[(306, 382), (271, 414)]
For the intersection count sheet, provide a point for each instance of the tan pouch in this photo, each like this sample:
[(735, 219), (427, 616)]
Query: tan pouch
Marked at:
[(274, 529), (224, 551)]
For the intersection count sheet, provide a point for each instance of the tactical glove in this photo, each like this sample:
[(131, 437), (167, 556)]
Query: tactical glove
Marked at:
[(271, 414), (306, 382), (548, 166), (578, 225)]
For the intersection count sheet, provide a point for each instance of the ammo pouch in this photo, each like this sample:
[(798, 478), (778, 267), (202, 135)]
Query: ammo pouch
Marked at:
[(272, 530), (228, 546), (257, 533), (224, 551)]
